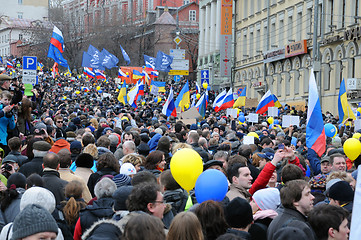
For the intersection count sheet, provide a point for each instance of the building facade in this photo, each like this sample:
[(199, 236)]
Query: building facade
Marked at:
[(209, 43), (15, 17), (274, 49)]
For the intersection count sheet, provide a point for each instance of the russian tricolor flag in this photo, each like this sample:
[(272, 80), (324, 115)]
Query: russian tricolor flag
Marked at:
[(9, 64), (149, 67), (202, 104), (169, 106), (122, 74), (227, 101), (198, 89), (154, 73), (315, 131), (100, 75), (218, 101), (88, 72), (266, 101), (140, 92)]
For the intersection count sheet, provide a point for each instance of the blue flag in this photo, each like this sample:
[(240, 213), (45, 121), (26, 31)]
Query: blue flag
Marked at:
[(125, 55), (96, 58), (56, 47), (109, 60), (163, 62), (149, 59), (1, 59)]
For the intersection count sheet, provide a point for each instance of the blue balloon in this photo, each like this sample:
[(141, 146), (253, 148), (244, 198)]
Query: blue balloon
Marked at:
[(276, 121), (100, 91), (156, 99), (330, 130), (208, 88), (241, 114), (271, 126), (212, 184), (241, 118), (294, 141)]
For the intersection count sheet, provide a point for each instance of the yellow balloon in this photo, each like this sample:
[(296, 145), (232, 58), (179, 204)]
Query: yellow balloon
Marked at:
[(238, 111), (198, 96), (64, 97), (117, 90), (143, 103), (352, 148), (98, 88), (159, 99), (240, 123), (270, 120), (205, 85), (356, 135), (186, 165), (77, 92), (253, 134), (186, 106)]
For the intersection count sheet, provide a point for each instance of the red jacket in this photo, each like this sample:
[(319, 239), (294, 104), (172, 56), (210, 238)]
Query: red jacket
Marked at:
[(263, 178)]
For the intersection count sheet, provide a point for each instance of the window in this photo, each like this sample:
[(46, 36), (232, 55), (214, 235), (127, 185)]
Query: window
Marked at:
[(299, 26), (192, 15), (186, 2), (20, 2), (20, 15), (20, 37)]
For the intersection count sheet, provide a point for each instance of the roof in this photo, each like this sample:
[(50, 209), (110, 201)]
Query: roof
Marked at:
[(166, 19), (10, 22), (186, 5)]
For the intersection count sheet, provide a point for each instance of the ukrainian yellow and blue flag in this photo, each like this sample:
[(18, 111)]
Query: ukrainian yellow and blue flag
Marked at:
[(159, 85), (183, 97), (122, 97), (241, 100), (344, 109)]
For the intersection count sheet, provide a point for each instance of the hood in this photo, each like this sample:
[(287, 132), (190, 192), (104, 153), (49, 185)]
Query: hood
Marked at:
[(153, 142), (101, 208), (60, 144)]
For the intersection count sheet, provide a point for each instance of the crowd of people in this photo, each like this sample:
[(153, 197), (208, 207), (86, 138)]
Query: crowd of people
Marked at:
[(77, 164)]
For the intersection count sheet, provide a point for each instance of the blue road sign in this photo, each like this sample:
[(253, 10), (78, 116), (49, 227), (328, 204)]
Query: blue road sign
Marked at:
[(204, 74), (29, 63), (177, 78)]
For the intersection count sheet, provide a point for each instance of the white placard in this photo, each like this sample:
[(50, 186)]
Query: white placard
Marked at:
[(290, 121), (248, 139), (107, 95), (357, 124), (253, 117), (232, 112), (355, 232), (273, 111), (154, 90)]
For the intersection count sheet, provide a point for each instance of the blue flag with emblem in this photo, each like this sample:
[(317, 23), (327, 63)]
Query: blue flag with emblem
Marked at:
[(109, 60), (163, 62)]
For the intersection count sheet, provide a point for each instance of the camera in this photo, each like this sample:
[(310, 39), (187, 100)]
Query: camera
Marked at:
[(7, 167)]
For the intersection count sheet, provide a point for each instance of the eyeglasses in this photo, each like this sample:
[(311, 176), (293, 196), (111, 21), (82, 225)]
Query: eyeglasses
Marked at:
[(161, 202), (59, 121)]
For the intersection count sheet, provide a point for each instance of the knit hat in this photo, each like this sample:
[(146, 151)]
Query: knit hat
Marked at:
[(193, 127), (41, 146), (18, 179), (32, 220), (84, 160), (40, 196), (121, 180), (75, 145), (128, 169), (143, 149), (267, 198), (120, 196), (341, 191), (330, 183), (238, 213), (318, 181)]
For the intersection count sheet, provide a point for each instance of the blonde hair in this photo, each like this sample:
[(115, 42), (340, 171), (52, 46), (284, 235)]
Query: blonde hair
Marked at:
[(95, 122), (339, 175), (92, 150), (133, 159), (179, 146)]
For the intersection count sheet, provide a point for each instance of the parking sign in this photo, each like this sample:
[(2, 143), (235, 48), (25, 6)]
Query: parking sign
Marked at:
[(29, 70)]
